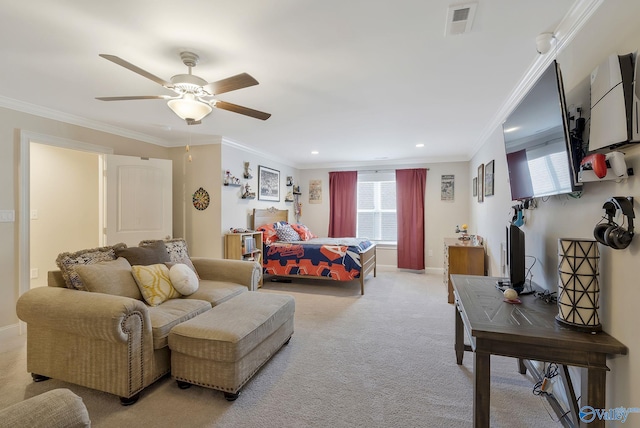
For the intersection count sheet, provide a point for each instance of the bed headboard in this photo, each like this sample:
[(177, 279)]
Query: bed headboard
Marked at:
[(268, 215)]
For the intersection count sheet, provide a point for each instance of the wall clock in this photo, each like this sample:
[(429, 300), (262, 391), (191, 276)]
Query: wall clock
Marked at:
[(201, 199)]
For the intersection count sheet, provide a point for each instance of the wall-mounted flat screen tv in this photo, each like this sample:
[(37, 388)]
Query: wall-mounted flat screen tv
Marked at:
[(537, 141)]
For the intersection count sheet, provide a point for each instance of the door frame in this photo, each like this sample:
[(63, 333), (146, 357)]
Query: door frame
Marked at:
[(24, 217)]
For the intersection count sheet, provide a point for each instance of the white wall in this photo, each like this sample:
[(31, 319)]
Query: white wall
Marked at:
[(611, 30), (237, 212)]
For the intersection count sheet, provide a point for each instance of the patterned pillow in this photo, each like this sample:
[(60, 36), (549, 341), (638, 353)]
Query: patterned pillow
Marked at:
[(177, 249), (304, 232), (67, 262), (154, 283), (287, 234), (269, 235)]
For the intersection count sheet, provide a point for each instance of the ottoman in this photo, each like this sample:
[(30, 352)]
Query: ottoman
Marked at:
[(225, 346)]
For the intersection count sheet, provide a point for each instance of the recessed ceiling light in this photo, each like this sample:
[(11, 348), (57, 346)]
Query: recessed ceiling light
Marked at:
[(515, 128), (420, 145), (315, 152)]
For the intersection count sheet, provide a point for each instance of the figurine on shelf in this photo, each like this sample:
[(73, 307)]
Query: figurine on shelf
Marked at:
[(463, 231), (289, 197), (247, 171)]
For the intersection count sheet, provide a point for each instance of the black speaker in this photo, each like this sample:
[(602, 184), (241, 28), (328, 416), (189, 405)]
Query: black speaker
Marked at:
[(610, 233)]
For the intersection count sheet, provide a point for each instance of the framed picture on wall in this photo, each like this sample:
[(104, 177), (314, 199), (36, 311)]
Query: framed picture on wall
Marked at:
[(447, 187), (481, 183), (268, 184), (315, 191), (474, 186), (488, 179)]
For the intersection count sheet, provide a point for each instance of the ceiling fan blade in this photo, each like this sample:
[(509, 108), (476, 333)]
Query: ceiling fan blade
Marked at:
[(239, 81), (135, 97), (136, 69), (242, 110)]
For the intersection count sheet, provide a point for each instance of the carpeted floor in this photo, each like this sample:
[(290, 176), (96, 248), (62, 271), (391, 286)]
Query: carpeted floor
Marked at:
[(384, 359)]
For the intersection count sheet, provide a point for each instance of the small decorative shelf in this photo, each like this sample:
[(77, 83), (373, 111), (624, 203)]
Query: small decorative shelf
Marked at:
[(233, 184)]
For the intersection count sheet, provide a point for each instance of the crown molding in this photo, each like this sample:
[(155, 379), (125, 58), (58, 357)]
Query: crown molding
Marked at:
[(52, 114), (564, 33)]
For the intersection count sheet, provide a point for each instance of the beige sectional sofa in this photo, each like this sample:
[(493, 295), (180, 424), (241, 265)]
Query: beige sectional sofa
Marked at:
[(113, 342)]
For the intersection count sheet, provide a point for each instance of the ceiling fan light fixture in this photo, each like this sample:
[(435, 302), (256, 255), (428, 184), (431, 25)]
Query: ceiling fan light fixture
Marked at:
[(189, 108)]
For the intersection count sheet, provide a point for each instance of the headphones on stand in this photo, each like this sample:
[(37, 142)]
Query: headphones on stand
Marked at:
[(610, 233)]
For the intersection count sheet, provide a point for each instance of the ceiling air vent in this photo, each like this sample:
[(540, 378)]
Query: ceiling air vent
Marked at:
[(460, 18)]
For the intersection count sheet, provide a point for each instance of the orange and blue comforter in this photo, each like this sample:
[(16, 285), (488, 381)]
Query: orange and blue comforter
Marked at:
[(333, 258)]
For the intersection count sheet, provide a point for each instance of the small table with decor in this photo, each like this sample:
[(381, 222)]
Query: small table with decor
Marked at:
[(527, 331)]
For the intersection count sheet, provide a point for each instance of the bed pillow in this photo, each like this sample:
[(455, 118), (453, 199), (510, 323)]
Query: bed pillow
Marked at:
[(110, 277), (183, 279), (177, 249), (148, 255), (269, 235), (154, 283), (287, 234), (304, 232), (67, 262)]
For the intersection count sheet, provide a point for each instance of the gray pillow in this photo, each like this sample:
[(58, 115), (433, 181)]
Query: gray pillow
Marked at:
[(151, 254), (110, 277)]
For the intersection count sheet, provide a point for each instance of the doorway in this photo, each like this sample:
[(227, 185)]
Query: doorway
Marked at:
[(62, 203)]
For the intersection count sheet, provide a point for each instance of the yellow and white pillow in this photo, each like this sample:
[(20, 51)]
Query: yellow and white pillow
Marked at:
[(154, 283)]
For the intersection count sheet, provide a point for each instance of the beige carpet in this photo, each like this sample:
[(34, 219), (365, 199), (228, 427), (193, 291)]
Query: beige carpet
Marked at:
[(384, 359)]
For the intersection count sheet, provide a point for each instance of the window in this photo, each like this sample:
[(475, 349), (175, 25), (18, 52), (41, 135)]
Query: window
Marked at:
[(377, 219)]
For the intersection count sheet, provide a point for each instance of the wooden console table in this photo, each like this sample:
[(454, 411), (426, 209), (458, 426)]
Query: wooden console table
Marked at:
[(461, 257), (527, 331)]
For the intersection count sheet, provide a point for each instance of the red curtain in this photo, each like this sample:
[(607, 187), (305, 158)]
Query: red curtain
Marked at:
[(343, 203), (410, 188)]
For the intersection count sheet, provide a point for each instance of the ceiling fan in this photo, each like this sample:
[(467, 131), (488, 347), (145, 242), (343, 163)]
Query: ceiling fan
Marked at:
[(194, 95)]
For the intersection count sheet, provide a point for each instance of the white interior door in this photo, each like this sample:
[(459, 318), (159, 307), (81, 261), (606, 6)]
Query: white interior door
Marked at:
[(138, 199)]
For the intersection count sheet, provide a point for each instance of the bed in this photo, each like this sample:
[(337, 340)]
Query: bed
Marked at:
[(338, 259)]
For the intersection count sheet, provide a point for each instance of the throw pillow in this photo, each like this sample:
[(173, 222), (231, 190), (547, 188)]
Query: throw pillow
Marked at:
[(154, 283), (67, 262), (177, 249), (110, 277), (269, 235), (287, 234), (183, 279), (304, 232), (148, 255)]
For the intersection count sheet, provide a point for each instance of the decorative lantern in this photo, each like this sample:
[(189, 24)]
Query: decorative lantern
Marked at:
[(578, 289)]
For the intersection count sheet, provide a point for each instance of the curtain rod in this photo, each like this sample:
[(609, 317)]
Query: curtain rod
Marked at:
[(384, 170)]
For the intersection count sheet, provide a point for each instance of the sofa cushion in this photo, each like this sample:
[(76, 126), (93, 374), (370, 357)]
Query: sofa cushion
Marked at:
[(171, 313), (177, 250), (67, 262), (148, 255), (154, 283), (183, 279), (216, 292), (110, 277)]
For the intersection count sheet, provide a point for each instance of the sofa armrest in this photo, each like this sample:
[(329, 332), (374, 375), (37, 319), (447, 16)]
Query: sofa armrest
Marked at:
[(247, 273), (95, 315), (56, 408)]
